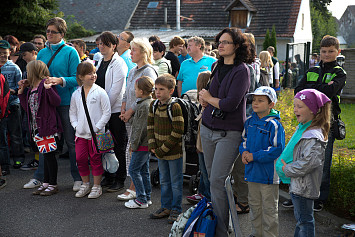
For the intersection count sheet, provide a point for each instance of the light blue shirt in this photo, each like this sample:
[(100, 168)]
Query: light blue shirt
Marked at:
[(127, 58), (183, 58), (190, 69)]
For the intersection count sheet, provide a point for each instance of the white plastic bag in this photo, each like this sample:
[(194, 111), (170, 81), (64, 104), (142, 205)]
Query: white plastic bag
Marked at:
[(110, 162)]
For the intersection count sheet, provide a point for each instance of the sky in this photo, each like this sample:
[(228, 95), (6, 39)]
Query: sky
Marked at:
[(337, 7)]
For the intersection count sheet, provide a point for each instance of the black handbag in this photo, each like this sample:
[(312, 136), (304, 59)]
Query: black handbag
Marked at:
[(338, 129)]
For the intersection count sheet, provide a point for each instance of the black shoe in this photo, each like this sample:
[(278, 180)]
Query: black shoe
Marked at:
[(2, 183), (18, 165), (107, 182), (318, 205), (288, 203), (5, 172), (115, 187), (33, 165)]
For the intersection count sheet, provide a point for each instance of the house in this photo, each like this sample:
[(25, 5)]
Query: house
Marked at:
[(347, 26), (205, 18)]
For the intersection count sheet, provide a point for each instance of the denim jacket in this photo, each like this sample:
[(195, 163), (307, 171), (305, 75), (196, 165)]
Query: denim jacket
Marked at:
[(307, 167)]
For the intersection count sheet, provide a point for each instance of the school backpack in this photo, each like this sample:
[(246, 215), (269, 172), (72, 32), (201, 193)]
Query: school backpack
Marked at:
[(177, 230), (189, 111), (264, 77)]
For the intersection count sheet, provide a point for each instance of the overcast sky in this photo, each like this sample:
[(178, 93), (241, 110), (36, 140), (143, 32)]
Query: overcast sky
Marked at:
[(337, 7)]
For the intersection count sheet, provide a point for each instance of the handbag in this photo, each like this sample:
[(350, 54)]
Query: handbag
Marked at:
[(103, 142), (110, 162), (45, 144), (338, 129)]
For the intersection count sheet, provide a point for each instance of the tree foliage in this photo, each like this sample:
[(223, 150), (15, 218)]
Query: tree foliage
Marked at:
[(321, 5), (270, 40), (25, 18), (266, 40), (75, 29), (323, 23)]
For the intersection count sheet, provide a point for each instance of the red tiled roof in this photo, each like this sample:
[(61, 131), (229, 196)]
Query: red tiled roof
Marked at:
[(211, 14)]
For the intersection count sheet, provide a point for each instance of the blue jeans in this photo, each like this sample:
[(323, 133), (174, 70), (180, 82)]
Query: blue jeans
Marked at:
[(325, 185), (204, 185), (303, 210), (12, 125), (139, 172), (171, 178)]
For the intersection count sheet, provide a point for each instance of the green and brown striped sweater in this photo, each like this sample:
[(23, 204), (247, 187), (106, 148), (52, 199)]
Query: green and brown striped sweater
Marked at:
[(165, 136)]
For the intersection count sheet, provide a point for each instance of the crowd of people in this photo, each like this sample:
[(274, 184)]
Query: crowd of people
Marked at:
[(53, 89)]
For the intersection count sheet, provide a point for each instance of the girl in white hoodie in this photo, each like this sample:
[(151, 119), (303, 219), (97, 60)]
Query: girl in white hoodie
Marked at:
[(98, 104)]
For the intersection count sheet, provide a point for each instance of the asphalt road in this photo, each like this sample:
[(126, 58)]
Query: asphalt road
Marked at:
[(22, 214)]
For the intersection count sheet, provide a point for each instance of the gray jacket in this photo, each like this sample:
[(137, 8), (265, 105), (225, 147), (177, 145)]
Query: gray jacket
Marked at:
[(139, 121), (307, 167)]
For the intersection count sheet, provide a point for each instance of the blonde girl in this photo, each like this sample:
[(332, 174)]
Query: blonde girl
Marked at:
[(139, 165), (266, 64), (40, 104), (312, 110), (99, 108)]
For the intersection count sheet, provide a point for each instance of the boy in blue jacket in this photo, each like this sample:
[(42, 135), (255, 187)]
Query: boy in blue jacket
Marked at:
[(263, 141)]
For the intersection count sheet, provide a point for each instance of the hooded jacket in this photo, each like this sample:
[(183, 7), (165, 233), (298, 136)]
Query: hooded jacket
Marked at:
[(265, 139), (307, 167)]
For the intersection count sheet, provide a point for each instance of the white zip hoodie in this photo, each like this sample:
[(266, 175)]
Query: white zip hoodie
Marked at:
[(99, 108), (115, 81)]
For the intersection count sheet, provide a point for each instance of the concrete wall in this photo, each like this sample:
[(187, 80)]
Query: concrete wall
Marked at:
[(348, 94)]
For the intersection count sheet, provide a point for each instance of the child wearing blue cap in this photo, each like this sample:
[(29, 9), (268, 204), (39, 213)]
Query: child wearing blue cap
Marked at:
[(263, 140)]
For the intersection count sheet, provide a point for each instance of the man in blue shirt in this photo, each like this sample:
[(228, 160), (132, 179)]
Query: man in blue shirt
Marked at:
[(11, 124), (184, 55), (190, 68), (124, 40)]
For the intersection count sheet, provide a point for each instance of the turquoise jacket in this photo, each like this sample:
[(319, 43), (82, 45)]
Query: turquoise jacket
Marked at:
[(64, 65)]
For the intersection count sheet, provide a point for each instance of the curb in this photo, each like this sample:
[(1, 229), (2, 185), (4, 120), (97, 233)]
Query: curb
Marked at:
[(323, 217)]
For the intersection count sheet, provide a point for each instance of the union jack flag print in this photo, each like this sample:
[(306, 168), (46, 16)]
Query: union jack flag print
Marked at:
[(45, 144)]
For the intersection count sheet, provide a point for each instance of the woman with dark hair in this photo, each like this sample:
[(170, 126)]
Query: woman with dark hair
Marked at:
[(111, 75), (162, 64), (224, 116)]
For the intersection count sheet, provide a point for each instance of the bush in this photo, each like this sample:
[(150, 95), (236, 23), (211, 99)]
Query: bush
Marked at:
[(75, 29)]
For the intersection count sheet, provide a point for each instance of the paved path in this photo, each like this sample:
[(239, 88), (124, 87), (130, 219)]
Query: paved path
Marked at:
[(22, 214)]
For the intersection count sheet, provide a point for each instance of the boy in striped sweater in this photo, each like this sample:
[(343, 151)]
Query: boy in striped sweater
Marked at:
[(165, 140)]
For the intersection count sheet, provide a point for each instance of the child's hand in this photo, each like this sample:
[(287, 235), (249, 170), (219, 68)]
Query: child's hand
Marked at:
[(23, 83), (245, 162), (283, 167), (249, 157)]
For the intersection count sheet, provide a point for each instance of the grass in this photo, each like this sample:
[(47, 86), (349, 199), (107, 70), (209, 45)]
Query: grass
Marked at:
[(347, 115)]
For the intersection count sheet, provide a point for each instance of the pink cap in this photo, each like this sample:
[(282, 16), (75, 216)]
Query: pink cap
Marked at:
[(313, 99)]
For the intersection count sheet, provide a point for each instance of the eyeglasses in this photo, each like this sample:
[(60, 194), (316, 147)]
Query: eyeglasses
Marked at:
[(52, 32), (39, 43), (121, 38), (224, 42)]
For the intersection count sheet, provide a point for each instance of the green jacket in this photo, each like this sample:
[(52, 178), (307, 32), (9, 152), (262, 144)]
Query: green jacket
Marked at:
[(329, 72)]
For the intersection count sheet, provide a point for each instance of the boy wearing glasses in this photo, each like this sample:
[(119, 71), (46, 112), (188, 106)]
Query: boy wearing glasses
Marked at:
[(13, 75)]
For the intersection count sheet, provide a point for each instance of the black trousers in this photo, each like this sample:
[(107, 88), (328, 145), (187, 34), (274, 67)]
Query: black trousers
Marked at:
[(50, 168)]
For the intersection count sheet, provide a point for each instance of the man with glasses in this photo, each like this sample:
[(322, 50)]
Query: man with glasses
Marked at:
[(11, 124), (124, 40), (39, 41), (190, 68)]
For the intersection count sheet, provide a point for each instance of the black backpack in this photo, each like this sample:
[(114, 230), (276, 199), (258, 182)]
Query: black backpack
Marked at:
[(190, 112)]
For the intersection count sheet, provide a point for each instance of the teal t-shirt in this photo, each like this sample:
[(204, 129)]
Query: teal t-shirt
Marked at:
[(190, 69), (287, 154)]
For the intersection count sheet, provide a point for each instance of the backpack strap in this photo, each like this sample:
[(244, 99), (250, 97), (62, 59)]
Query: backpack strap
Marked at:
[(155, 106)]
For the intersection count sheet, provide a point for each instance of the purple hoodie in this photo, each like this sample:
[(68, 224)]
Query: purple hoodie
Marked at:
[(47, 119), (231, 91)]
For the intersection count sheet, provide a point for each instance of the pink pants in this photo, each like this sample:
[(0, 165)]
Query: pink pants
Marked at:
[(84, 150)]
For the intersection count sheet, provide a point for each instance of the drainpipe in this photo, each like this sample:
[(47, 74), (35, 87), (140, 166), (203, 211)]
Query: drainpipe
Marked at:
[(178, 15)]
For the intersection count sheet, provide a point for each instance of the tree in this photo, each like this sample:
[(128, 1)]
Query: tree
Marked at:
[(266, 40), (321, 5), (323, 23), (272, 41)]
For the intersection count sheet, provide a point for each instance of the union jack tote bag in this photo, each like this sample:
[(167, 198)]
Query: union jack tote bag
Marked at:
[(45, 144)]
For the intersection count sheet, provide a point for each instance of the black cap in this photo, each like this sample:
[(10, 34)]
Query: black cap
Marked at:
[(27, 47)]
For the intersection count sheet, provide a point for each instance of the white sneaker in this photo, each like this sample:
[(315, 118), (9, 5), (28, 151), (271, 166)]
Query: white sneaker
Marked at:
[(134, 203), (84, 189), (96, 192), (77, 185), (149, 202), (124, 197), (33, 183)]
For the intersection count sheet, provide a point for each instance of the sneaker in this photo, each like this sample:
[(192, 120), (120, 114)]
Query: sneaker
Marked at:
[(318, 206), (173, 216), (2, 183), (50, 190), (83, 191), (115, 187), (149, 202), (18, 165), (33, 165), (160, 213), (96, 192), (124, 197), (33, 183), (288, 203), (77, 185), (194, 199), (134, 204)]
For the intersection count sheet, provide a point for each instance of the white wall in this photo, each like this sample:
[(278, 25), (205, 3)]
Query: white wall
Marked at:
[(281, 47), (303, 30)]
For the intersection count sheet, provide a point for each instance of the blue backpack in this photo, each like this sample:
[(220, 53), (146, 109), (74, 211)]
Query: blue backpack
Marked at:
[(202, 221)]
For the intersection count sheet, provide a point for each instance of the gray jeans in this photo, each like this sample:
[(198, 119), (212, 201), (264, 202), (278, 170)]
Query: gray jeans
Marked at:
[(220, 150)]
